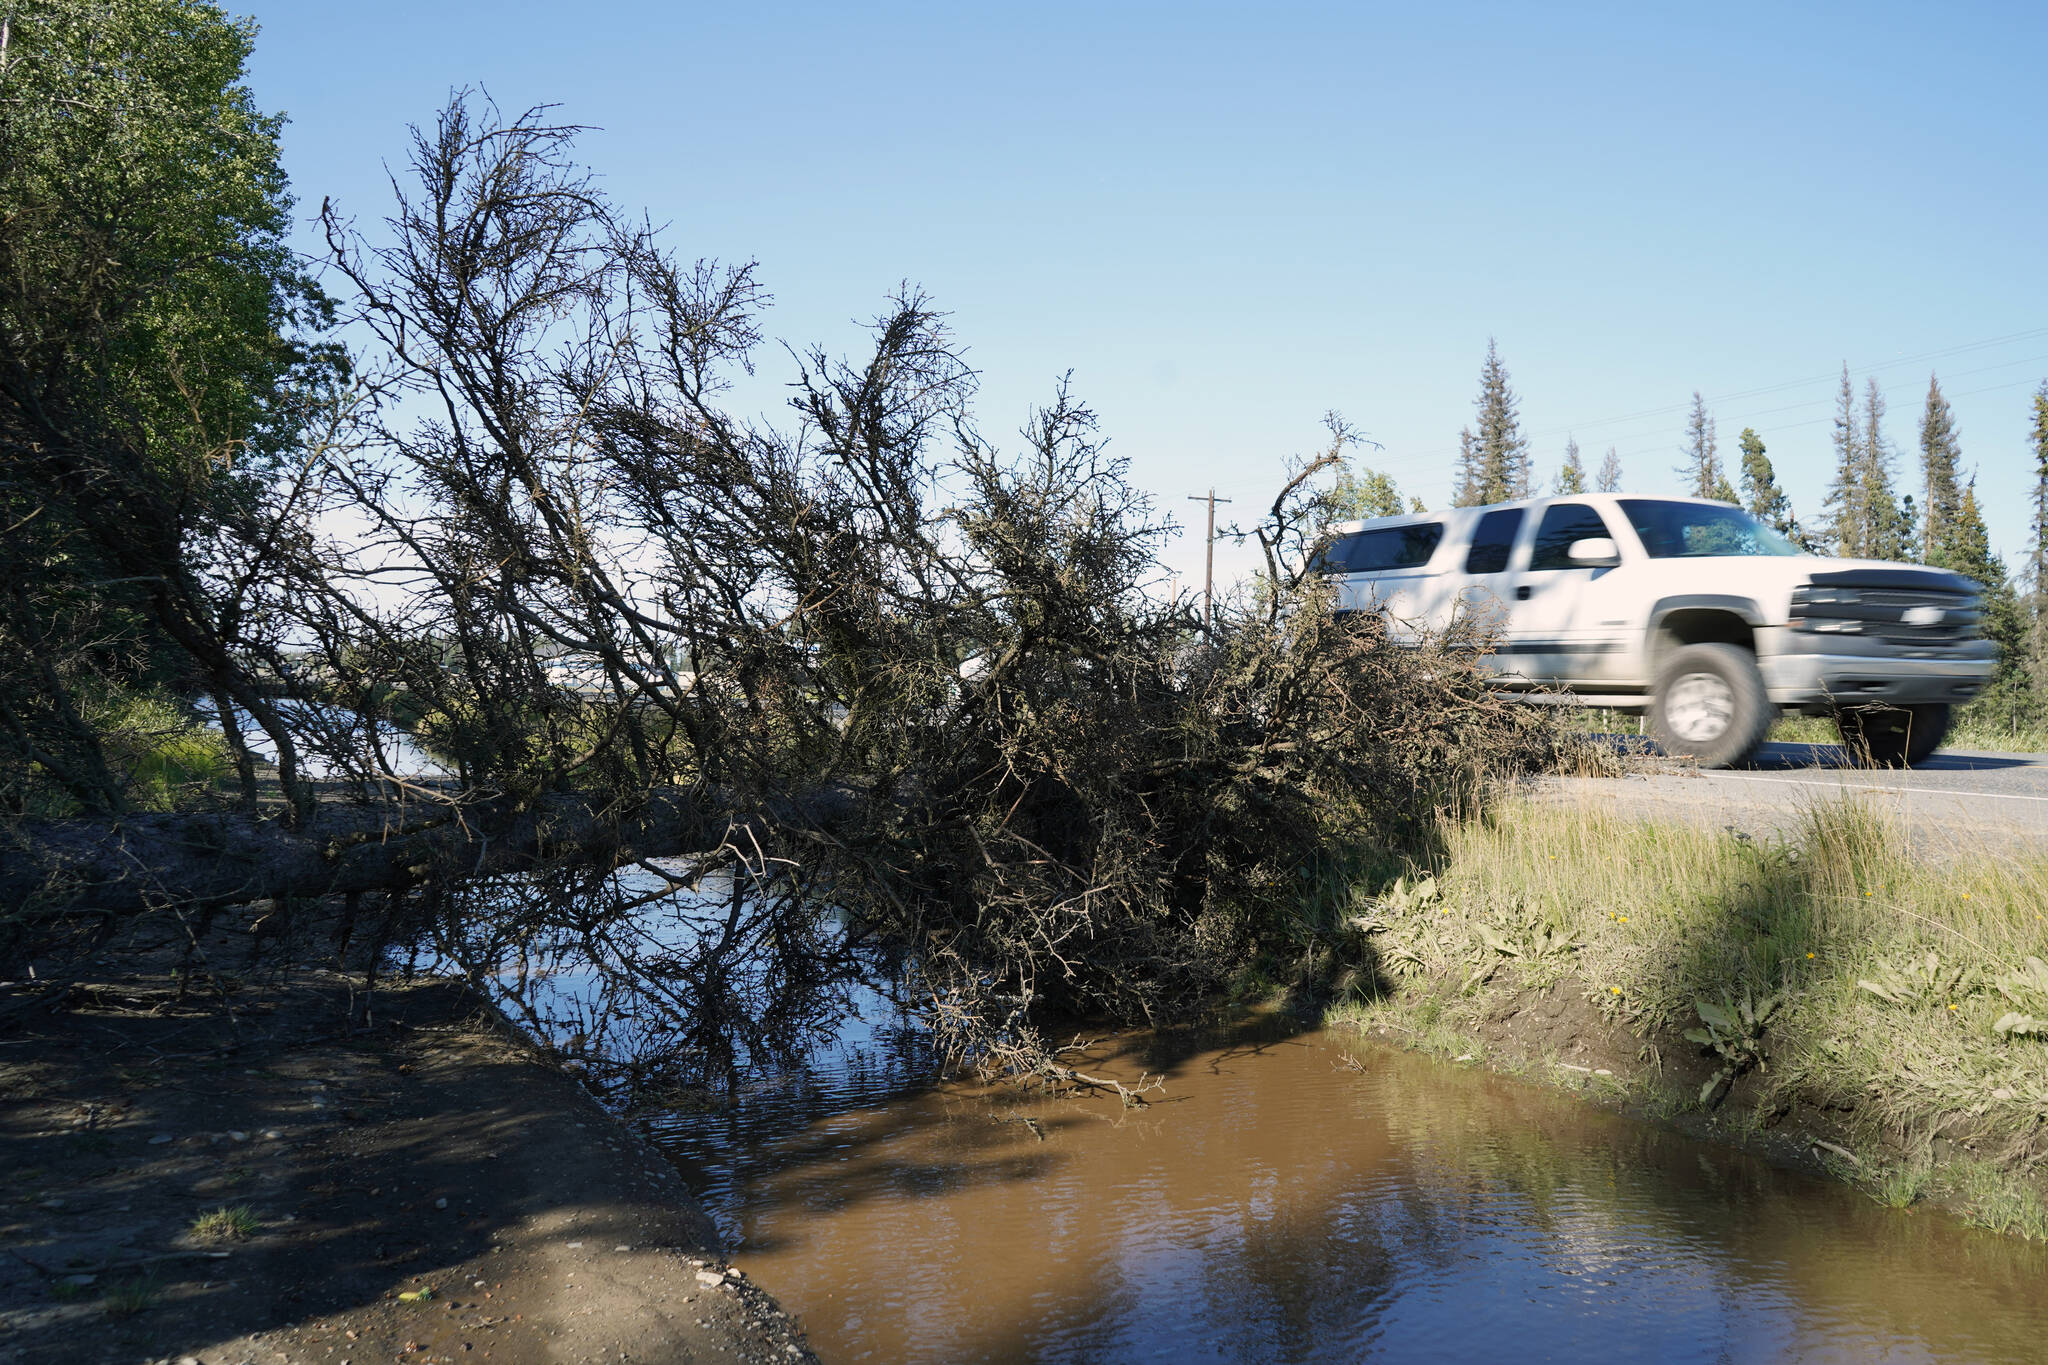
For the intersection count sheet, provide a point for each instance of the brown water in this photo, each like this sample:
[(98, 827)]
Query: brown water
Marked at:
[(1277, 1204)]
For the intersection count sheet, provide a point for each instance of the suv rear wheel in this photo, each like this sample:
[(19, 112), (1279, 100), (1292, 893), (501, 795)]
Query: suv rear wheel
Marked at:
[(1709, 704), (1893, 736)]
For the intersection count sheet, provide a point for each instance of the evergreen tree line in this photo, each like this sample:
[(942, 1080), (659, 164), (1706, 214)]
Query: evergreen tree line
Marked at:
[(1866, 514)]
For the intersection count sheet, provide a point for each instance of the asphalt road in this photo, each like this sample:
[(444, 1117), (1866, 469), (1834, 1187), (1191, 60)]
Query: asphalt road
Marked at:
[(1958, 801)]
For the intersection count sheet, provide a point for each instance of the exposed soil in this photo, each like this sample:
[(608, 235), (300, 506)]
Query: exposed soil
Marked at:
[(1556, 1036), (419, 1187)]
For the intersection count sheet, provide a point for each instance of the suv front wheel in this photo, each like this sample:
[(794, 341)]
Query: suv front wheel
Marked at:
[(1709, 704), (1893, 736)]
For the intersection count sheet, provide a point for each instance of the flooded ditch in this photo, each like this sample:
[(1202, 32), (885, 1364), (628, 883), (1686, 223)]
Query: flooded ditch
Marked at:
[(1290, 1194)]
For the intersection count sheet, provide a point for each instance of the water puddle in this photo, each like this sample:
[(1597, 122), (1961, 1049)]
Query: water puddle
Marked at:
[(1296, 1196), (1289, 1196)]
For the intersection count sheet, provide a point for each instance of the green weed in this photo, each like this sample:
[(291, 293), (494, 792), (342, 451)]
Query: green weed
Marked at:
[(1897, 1185), (127, 1299), (224, 1224)]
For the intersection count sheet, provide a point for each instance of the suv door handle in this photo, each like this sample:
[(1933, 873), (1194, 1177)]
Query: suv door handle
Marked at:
[(1522, 593)]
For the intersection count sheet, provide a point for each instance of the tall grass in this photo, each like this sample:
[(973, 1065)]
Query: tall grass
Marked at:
[(1650, 919)]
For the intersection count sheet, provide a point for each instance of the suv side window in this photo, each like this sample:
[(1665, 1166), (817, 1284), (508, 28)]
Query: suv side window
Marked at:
[(1492, 541), (1563, 523), (1393, 547)]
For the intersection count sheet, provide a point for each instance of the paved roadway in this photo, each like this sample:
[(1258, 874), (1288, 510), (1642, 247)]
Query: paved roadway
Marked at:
[(1957, 802)]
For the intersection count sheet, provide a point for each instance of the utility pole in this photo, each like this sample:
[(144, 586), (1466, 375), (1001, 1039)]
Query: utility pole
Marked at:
[(1209, 560)]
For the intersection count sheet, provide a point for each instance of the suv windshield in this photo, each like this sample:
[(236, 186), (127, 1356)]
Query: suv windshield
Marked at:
[(1674, 530)]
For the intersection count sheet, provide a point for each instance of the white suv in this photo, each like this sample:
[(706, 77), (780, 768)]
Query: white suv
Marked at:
[(1689, 610)]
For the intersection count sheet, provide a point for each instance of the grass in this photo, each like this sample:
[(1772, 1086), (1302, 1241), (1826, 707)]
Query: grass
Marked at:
[(127, 1299), (1981, 725), (225, 1224), (1975, 728), (1889, 971)]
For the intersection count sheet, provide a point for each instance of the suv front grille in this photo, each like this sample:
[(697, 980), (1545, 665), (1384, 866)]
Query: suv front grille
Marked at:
[(1902, 616)]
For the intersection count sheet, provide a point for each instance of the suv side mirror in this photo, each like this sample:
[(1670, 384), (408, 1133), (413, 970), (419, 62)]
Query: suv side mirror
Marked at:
[(1593, 552)]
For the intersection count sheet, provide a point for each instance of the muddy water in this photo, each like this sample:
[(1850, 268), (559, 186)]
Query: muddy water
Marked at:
[(1305, 1198)]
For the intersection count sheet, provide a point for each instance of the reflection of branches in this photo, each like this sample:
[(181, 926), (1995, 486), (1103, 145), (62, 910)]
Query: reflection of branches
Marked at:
[(711, 970)]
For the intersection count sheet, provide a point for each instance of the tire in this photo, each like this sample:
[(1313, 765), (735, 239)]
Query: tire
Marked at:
[(1893, 736), (1709, 704)]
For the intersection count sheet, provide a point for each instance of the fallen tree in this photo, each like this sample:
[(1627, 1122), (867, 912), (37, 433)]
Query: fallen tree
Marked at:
[(152, 862), (935, 685)]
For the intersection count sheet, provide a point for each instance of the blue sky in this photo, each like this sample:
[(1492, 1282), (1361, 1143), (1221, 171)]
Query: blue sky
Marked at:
[(1227, 220)]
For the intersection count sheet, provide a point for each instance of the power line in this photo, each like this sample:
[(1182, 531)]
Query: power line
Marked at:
[(1859, 371)]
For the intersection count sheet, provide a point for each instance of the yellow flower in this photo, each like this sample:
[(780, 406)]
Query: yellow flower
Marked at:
[(1866, 893), (1951, 1006), (1809, 957), (1615, 989), (1624, 919)]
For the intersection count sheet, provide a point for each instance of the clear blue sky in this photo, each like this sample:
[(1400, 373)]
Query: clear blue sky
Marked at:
[(1226, 220)]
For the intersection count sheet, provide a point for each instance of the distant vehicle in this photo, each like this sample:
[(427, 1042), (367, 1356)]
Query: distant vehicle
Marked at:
[(1690, 611)]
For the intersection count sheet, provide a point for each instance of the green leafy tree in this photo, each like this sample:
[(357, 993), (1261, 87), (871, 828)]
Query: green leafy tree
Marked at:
[(1939, 453), (1364, 493), (150, 373), (1571, 478), (1493, 455), (1610, 473)]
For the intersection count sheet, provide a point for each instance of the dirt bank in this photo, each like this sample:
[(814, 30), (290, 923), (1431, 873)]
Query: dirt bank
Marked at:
[(1551, 1034), (422, 1188)]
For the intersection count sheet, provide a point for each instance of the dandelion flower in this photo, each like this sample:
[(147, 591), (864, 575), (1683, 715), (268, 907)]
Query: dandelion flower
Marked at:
[(1615, 989), (1809, 957), (1624, 919), (1951, 1006)]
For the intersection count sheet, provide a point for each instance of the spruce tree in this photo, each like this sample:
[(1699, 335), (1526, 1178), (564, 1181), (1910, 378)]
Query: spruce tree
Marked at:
[(2038, 559), (1939, 452), (1965, 548), (1702, 467), (1471, 487), (1610, 473), (1843, 512), (1766, 501), (1571, 479), (1886, 534), (1494, 462)]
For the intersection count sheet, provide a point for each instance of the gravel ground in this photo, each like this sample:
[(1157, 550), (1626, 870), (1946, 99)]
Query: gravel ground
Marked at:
[(1957, 804)]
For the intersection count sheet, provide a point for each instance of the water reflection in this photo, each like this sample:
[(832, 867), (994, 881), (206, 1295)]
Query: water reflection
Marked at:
[(686, 984), (1288, 1197), (1281, 1206)]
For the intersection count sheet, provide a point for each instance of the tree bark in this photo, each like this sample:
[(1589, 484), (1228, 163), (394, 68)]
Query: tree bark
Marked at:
[(146, 862)]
